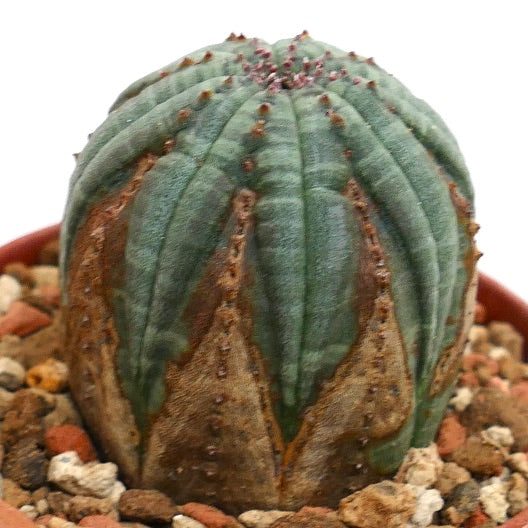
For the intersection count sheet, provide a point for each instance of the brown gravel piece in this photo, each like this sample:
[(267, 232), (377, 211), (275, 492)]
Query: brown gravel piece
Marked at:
[(37, 347), (13, 494), (65, 412), (59, 502), (23, 420), (21, 272), (39, 494), (493, 407), (517, 494), (461, 502), (148, 506), (26, 464), (81, 506), (452, 475), (388, 504), (503, 334), (512, 369), (478, 456), (309, 519), (49, 254)]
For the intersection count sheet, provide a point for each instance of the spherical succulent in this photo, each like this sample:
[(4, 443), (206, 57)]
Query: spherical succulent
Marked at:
[(269, 273)]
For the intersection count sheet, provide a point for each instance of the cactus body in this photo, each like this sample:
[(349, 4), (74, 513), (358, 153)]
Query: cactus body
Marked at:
[(268, 267)]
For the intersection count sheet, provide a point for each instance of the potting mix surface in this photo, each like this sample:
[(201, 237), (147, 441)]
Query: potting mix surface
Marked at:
[(476, 474)]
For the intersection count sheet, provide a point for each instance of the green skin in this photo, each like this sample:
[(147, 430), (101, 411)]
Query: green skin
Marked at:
[(303, 245)]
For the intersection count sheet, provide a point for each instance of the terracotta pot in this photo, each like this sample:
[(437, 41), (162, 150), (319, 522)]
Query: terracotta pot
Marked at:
[(501, 304)]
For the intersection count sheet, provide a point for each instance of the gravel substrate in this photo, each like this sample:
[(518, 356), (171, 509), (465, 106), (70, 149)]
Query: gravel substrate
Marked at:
[(476, 474)]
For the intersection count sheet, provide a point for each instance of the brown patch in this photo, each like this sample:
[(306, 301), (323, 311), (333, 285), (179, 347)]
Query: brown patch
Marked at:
[(91, 338), (448, 364), (216, 437), (368, 399)]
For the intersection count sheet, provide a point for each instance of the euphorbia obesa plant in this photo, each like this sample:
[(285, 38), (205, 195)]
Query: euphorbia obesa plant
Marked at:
[(269, 273)]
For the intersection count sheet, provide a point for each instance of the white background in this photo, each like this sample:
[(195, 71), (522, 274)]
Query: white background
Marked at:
[(63, 63)]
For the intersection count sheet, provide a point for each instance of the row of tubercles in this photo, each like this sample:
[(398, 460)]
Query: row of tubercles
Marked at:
[(382, 304), (229, 282)]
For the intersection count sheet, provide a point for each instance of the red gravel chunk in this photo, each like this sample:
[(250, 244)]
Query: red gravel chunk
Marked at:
[(12, 518), (98, 521), (22, 319), (477, 518), (209, 515), (451, 435), (61, 438)]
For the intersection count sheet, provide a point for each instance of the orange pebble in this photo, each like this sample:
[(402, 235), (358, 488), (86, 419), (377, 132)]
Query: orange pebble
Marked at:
[(209, 515), (498, 383), (520, 391), (98, 521), (61, 438), (468, 379), (480, 313), (452, 434), (22, 319), (477, 518)]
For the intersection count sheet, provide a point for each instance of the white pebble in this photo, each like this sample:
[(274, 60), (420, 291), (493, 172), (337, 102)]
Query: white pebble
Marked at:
[(10, 291), (182, 521), (428, 501), (518, 462), (29, 510), (493, 499), (45, 276), (421, 466), (12, 374), (462, 398), (42, 506), (71, 475), (498, 352), (498, 436), (261, 518)]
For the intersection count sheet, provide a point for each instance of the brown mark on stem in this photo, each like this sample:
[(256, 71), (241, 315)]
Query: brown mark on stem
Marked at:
[(95, 268)]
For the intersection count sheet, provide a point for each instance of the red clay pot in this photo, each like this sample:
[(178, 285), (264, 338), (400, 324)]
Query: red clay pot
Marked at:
[(501, 304)]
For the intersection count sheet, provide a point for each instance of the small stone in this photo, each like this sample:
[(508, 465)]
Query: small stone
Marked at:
[(39, 494), (420, 467), (150, 506), (6, 398), (37, 347), (461, 502), (67, 437), (51, 375), (51, 295), (14, 495), (309, 518), (12, 518), (82, 506), (519, 521), (477, 456), (10, 291), (462, 398), (261, 518), (45, 276), (68, 473), (52, 521), (504, 334), (22, 319), (26, 464), (517, 494), (478, 518), (493, 500), (478, 334), (452, 475), (451, 435), (518, 462), (23, 420), (21, 273), (492, 407), (42, 506), (500, 384), (209, 515), (182, 521), (63, 413), (428, 502), (98, 521), (12, 374), (59, 502), (29, 510), (500, 437), (513, 370), (389, 504), (499, 354)]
